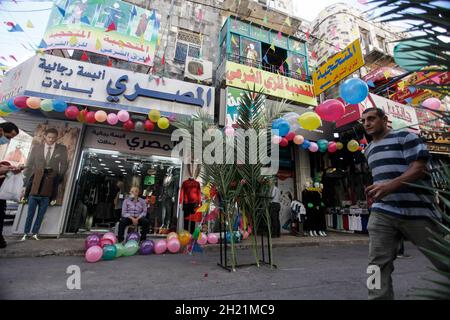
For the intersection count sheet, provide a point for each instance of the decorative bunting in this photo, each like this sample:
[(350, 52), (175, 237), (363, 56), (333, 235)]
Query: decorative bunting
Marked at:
[(281, 68), (336, 47), (314, 55), (153, 16), (387, 74), (42, 45), (371, 84), (288, 21), (199, 16), (12, 57), (29, 24), (111, 27), (408, 100), (159, 41), (73, 41), (141, 39), (163, 60), (272, 47), (85, 20), (265, 20), (200, 71), (265, 59), (98, 44), (412, 89), (401, 85), (109, 64), (121, 44), (233, 40), (299, 71), (147, 59), (307, 34), (14, 27), (84, 56), (279, 35), (61, 11), (133, 12)]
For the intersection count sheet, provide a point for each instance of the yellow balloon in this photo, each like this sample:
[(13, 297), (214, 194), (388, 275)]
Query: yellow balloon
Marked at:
[(353, 145), (154, 115), (184, 237), (309, 121), (163, 123), (339, 145), (3, 113)]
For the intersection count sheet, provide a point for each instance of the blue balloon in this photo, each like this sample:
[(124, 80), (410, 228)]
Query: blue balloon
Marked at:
[(11, 105), (306, 144), (282, 126), (59, 106), (5, 108), (354, 90)]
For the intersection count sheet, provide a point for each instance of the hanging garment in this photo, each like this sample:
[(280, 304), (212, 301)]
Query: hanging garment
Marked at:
[(190, 192)]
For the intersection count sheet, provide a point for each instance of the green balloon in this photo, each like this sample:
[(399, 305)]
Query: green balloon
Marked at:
[(131, 247), (47, 105), (109, 252), (120, 250)]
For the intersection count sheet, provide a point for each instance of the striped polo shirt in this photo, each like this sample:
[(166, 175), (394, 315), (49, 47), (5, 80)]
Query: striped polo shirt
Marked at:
[(388, 159)]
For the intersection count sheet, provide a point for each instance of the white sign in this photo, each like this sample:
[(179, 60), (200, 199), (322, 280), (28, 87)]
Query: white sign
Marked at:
[(110, 88), (15, 81)]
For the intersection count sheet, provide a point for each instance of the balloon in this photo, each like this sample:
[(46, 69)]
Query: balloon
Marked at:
[(163, 123), (299, 139), (313, 147), (212, 238), (332, 147), (203, 239), (33, 103), (276, 139), (94, 254), (131, 247), (92, 240), (120, 250), (133, 236), (330, 110), (172, 235), (160, 246), (245, 235), (149, 126), (291, 118), (47, 105), (139, 126), (90, 117), (128, 125), (112, 119), (3, 113), (354, 90), (21, 102), (59, 106), (398, 124), (432, 103), (4, 108), (174, 245), (363, 141), (105, 242), (229, 131), (282, 126), (323, 145), (154, 115), (309, 121), (352, 146), (100, 116), (72, 112), (147, 247), (409, 56), (284, 142), (110, 236), (339, 146), (123, 116), (82, 115), (11, 106), (184, 237), (109, 252), (306, 144), (290, 136)]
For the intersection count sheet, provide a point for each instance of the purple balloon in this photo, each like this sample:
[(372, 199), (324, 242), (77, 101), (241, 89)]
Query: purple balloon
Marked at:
[(92, 240), (133, 236), (147, 247)]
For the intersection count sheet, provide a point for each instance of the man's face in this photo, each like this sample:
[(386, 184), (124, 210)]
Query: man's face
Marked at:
[(11, 134), (373, 124), (50, 138)]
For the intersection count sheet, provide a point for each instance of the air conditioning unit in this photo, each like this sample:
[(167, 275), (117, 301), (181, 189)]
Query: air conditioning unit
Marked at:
[(197, 69)]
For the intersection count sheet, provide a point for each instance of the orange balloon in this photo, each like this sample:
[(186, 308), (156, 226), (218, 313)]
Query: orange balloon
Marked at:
[(33, 103), (184, 238)]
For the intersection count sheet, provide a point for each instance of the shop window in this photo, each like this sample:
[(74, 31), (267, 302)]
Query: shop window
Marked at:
[(189, 44)]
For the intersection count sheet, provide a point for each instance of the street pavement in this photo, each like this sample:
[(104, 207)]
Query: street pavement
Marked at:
[(311, 272)]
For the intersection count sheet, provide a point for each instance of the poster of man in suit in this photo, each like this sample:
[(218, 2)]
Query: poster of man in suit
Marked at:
[(53, 148)]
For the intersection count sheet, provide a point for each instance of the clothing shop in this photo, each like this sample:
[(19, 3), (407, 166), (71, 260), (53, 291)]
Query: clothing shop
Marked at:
[(98, 163)]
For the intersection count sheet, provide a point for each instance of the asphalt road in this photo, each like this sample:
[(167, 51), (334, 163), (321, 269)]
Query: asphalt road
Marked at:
[(325, 272)]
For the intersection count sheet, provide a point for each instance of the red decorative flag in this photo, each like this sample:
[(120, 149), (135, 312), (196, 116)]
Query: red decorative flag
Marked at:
[(307, 35), (279, 35), (196, 217), (111, 27), (147, 60), (163, 60), (84, 56), (314, 55), (109, 63), (200, 71), (282, 68), (12, 57)]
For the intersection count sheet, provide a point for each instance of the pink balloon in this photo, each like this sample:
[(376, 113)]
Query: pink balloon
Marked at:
[(332, 147), (290, 136), (110, 236), (299, 139), (245, 235), (313, 147), (330, 110), (72, 112), (212, 238), (203, 239), (276, 139), (123, 116), (432, 103), (112, 119), (160, 246), (94, 254), (173, 245), (106, 242)]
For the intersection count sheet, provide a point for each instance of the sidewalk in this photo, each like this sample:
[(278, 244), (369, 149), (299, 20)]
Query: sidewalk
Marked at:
[(75, 246)]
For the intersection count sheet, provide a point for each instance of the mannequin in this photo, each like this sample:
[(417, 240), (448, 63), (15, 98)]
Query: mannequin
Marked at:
[(191, 198), (315, 223), (167, 200)]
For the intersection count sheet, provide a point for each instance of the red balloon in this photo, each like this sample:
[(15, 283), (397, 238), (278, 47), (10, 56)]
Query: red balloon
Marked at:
[(330, 110), (290, 136), (148, 125), (72, 112), (82, 115), (128, 125), (363, 141), (284, 142), (90, 117), (20, 102)]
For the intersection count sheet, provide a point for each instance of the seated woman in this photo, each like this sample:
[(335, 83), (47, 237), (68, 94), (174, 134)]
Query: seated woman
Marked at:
[(134, 210)]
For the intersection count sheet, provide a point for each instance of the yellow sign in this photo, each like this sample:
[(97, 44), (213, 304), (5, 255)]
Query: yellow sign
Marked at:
[(338, 67), (246, 77)]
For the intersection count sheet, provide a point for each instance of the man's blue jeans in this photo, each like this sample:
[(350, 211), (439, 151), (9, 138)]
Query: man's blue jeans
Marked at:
[(33, 203)]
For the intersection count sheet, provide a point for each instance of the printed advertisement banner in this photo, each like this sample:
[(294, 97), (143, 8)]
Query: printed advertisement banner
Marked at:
[(246, 77), (338, 67), (109, 27)]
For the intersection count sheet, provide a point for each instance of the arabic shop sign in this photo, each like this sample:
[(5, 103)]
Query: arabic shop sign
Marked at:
[(84, 26), (95, 85), (128, 142), (438, 137), (338, 67), (246, 77)]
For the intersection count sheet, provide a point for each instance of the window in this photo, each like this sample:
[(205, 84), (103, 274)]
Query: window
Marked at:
[(189, 44)]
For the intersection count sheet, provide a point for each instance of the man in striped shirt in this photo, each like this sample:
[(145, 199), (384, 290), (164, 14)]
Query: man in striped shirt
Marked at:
[(396, 158)]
